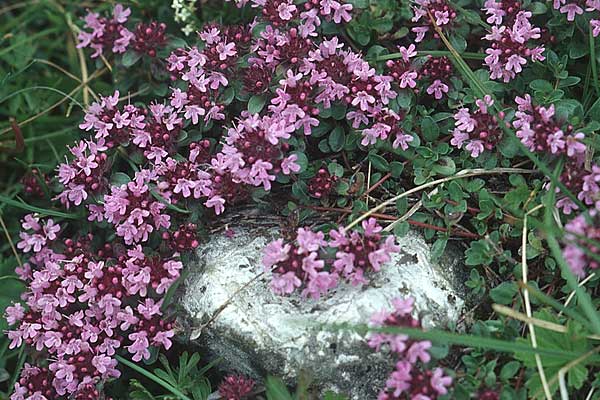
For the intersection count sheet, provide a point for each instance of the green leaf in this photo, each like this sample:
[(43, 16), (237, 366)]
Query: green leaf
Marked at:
[(594, 111), (396, 169), (541, 85), (458, 42), (276, 389), (336, 139), (130, 58), (472, 17), (300, 190), (538, 8), (382, 25), (333, 396), (509, 370), (359, 33), (379, 162), (569, 81), (120, 178), (445, 166), (578, 49), (437, 249), (256, 104), (302, 161), (430, 129), (401, 229), (504, 293)]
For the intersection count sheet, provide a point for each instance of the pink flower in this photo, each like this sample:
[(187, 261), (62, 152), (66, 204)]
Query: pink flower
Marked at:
[(437, 88), (275, 252), (440, 382), (571, 10), (289, 165), (14, 313), (309, 241), (371, 227), (285, 284), (286, 11), (226, 50), (319, 284), (418, 351)]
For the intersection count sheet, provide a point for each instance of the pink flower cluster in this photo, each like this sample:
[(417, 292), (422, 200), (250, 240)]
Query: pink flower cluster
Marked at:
[(440, 10), (303, 262), (254, 152), (85, 174), (32, 183), (574, 8), (153, 130), (579, 232), (322, 184), (281, 12), (539, 130), (477, 130), (82, 306), (206, 73), (408, 380), (510, 34), (436, 70), (133, 210), (112, 35), (113, 125), (236, 387), (106, 34)]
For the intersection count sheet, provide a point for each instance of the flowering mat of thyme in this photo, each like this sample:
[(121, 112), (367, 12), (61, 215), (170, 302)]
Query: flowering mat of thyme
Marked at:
[(129, 131)]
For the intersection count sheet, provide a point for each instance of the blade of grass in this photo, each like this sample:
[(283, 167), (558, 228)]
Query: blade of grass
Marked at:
[(545, 299), (17, 372), (530, 325), (465, 340), (170, 206), (595, 83), (42, 211), (152, 377), (28, 39), (50, 135), (58, 103), (584, 298), (540, 323), (583, 282), (42, 88)]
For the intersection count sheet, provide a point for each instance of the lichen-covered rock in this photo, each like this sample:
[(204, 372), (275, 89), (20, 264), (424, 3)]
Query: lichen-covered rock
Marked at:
[(259, 333)]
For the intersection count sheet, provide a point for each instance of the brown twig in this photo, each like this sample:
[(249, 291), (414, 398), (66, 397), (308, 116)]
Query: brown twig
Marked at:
[(197, 332), (378, 183)]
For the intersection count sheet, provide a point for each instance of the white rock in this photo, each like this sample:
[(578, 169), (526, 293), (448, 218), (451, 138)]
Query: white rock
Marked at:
[(259, 333)]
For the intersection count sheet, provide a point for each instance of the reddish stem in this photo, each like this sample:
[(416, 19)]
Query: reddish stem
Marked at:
[(378, 183)]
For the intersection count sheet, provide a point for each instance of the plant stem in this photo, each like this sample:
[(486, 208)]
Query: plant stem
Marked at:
[(593, 63)]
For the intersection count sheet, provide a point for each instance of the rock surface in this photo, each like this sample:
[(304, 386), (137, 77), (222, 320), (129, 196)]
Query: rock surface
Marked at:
[(259, 333)]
